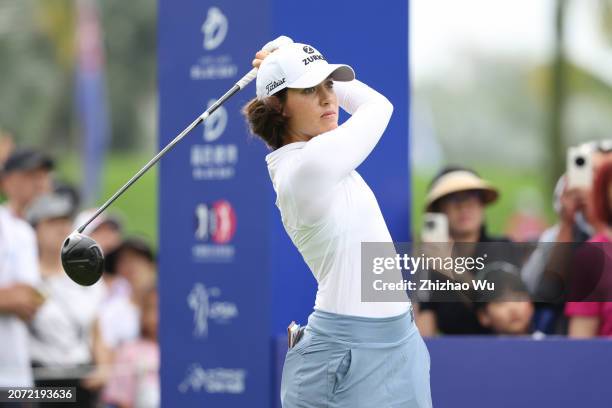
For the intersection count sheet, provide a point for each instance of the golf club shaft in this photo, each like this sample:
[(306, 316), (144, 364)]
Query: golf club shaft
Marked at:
[(244, 81)]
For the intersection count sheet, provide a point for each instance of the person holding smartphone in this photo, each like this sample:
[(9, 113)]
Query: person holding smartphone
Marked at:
[(590, 319), (573, 205), (352, 353), (460, 196)]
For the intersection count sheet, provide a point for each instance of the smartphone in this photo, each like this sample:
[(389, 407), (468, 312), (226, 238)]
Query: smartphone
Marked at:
[(579, 167), (435, 228)]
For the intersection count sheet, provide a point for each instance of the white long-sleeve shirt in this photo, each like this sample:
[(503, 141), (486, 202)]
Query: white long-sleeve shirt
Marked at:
[(327, 208)]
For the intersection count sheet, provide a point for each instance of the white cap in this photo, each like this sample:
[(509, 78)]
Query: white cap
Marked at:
[(297, 66)]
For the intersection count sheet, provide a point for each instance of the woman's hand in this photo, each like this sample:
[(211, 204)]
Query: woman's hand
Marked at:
[(259, 57), (270, 48)]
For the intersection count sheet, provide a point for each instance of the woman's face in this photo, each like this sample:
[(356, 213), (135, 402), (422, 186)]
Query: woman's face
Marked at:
[(311, 111), (51, 233), (465, 213), (23, 187), (136, 269), (508, 317)]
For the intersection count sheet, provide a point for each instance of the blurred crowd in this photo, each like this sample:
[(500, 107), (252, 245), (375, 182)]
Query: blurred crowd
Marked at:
[(522, 303), (100, 339)]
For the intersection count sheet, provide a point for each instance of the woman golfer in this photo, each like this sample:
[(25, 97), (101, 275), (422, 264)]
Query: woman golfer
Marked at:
[(352, 354)]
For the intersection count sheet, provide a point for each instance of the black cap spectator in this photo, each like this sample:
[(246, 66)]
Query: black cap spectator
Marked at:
[(25, 175), (27, 159)]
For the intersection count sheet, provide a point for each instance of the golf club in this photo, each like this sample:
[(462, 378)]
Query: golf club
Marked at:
[(82, 258)]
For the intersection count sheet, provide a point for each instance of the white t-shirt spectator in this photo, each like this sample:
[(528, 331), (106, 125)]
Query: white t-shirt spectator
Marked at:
[(61, 330), (119, 317), (18, 264)]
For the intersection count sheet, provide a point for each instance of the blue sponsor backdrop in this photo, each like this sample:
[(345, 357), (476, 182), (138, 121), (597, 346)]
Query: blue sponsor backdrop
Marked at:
[(214, 277), (230, 279)]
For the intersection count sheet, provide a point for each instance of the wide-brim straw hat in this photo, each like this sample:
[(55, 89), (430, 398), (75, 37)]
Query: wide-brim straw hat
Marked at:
[(457, 181)]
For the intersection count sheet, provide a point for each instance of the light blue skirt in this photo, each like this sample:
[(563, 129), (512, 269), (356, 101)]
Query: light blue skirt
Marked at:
[(357, 362)]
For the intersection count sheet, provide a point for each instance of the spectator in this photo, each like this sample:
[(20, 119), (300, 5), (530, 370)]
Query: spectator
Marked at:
[(67, 190), (508, 309), (134, 382), (554, 244), (119, 319), (7, 145), (62, 330), (541, 272), (570, 205), (461, 195), (25, 175), (589, 319), (107, 231), (134, 261)]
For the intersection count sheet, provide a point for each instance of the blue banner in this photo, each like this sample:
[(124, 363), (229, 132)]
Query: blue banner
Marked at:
[(214, 201)]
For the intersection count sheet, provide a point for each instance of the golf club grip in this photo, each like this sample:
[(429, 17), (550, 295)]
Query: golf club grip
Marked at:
[(245, 80)]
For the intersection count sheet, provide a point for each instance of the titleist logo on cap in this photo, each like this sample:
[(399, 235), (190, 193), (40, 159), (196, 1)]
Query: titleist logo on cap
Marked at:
[(274, 84)]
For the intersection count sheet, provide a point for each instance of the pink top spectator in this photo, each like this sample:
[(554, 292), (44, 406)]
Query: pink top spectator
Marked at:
[(134, 380), (603, 310)]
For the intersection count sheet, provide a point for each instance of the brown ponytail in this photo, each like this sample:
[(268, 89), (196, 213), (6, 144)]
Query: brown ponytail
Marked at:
[(265, 118)]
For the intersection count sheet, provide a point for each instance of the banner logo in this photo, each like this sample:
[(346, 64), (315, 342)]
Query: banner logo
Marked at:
[(216, 223), (215, 226), (212, 64), (205, 310), (214, 29), (214, 380)]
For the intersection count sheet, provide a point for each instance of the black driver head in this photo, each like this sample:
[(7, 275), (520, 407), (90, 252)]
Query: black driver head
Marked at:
[(82, 259)]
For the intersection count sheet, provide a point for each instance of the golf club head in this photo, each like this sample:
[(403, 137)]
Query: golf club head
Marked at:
[(82, 259)]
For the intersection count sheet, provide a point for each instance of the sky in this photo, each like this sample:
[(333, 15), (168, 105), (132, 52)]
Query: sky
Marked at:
[(442, 32)]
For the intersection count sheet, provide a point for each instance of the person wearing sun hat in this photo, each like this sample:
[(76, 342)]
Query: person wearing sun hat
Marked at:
[(462, 195)]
